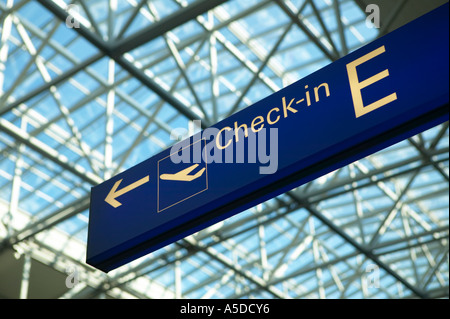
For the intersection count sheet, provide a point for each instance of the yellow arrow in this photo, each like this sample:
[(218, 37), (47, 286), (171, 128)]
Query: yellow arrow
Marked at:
[(114, 193)]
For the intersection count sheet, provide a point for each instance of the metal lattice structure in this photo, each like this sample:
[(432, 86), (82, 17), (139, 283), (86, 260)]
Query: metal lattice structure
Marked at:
[(91, 88)]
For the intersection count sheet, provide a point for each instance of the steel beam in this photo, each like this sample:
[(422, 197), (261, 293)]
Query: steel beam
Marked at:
[(116, 50), (159, 28), (306, 30), (367, 252)]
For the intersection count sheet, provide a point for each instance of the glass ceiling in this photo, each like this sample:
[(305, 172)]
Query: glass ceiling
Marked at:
[(82, 100)]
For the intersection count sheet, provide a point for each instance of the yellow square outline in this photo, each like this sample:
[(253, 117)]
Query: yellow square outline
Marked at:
[(206, 171)]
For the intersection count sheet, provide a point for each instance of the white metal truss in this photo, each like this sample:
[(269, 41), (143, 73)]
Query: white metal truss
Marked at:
[(89, 88)]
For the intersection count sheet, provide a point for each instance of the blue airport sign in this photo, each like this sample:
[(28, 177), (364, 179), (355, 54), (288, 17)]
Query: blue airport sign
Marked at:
[(389, 90)]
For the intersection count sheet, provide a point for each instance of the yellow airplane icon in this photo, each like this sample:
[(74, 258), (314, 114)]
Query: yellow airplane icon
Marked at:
[(183, 175)]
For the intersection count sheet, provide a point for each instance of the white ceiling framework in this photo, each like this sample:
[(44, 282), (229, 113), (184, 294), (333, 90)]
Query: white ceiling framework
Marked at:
[(81, 103)]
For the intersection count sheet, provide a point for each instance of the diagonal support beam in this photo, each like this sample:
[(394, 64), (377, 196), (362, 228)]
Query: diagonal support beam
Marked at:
[(189, 243), (76, 207), (48, 85), (306, 30), (32, 142), (164, 25), (116, 50), (367, 252)]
